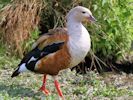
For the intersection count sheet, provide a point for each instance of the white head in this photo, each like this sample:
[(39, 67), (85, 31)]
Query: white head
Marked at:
[(80, 13)]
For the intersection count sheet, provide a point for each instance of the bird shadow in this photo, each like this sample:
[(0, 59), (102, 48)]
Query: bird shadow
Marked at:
[(19, 91)]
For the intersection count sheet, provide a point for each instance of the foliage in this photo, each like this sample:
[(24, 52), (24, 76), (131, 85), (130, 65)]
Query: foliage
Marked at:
[(6, 60), (113, 34), (53, 14), (3, 3)]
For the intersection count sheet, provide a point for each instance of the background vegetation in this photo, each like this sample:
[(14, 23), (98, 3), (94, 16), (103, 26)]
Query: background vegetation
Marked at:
[(111, 36)]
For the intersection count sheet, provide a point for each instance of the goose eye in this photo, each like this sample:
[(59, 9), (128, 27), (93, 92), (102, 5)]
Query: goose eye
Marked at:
[(83, 12)]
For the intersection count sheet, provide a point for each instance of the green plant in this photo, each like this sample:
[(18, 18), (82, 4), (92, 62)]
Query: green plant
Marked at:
[(27, 45), (3, 3), (113, 34)]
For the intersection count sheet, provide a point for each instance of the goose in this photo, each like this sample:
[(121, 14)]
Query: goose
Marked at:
[(66, 48)]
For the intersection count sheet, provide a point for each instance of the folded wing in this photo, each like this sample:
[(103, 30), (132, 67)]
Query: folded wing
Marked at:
[(49, 54)]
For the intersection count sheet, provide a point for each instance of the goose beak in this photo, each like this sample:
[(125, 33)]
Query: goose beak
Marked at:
[(92, 19)]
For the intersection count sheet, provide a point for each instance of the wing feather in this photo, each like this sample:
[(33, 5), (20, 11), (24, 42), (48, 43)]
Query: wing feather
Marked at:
[(45, 45), (54, 35)]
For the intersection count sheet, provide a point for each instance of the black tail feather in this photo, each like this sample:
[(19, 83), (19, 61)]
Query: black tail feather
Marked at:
[(15, 73)]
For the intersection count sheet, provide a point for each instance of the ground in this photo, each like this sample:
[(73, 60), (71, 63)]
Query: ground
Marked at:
[(92, 86)]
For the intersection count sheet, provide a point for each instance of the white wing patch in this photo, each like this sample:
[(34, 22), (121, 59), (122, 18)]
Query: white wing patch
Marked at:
[(31, 59), (23, 68)]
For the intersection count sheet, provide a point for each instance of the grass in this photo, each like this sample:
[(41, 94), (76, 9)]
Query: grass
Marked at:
[(91, 86)]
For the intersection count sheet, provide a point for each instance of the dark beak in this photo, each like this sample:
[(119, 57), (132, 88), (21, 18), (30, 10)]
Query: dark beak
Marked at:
[(92, 19)]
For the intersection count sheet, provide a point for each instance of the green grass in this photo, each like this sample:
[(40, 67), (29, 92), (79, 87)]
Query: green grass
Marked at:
[(91, 86)]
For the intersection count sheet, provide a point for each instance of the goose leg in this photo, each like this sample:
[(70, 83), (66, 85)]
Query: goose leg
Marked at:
[(43, 87), (57, 85)]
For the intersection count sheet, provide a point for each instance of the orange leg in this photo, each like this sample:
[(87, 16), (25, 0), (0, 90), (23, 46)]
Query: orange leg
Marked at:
[(57, 85), (43, 87)]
